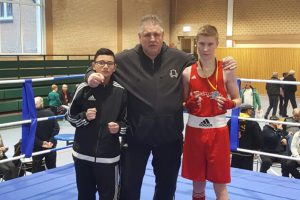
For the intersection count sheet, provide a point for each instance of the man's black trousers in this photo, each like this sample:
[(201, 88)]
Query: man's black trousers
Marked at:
[(166, 163)]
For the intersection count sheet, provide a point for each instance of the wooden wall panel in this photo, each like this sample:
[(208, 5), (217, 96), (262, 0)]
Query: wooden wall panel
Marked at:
[(259, 63)]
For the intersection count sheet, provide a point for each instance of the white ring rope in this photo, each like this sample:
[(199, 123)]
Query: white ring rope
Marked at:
[(270, 81), (268, 154), (269, 121), (42, 79), (28, 121), (78, 76), (38, 119), (35, 153)]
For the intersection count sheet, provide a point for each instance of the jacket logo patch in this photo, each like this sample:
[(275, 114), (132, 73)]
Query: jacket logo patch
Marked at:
[(173, 73), (91, 98), (193, 77)]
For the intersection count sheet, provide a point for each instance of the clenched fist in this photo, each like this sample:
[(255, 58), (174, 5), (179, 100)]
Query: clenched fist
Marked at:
[(95, 79), (229, 63), (91, 113), (113, 127)]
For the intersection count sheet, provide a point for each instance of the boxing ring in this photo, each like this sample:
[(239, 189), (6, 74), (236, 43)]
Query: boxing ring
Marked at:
[(60, 183)]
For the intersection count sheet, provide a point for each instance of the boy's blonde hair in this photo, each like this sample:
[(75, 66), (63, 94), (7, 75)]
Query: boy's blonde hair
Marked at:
[(54, 87), (208, 30)]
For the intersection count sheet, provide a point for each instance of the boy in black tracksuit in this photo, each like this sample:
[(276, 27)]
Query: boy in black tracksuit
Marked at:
[(98, 115)]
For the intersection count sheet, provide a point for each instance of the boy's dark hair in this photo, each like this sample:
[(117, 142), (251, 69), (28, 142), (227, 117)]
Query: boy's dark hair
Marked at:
[(104, 51)]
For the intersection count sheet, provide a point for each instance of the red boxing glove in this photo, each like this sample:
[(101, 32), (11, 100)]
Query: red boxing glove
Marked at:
[(229, 104), (192, 103)]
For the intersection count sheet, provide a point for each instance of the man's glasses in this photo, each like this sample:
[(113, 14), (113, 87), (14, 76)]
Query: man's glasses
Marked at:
[(102, 63)]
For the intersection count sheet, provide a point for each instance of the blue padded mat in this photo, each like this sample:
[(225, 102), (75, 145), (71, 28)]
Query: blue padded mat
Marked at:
[(60, 184)]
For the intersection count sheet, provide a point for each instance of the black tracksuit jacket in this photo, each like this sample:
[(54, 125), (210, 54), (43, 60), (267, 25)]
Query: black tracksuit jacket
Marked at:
[(272, 88), (92, 138), (272, 140), (155, 93), (291, 89), (45, 130), (251, 135)]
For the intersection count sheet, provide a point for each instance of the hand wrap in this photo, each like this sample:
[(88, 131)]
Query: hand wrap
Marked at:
[(229, 104), (192, 103)]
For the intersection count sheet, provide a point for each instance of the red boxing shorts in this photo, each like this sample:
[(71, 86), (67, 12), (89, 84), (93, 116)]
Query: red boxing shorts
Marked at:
[(206, 154)]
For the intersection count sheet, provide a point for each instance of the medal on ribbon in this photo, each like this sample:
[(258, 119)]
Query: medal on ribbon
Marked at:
[(214, 94)]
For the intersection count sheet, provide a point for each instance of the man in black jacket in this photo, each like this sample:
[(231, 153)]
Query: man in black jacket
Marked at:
[(98, 115), (250, 137), (274, 141), (273, 91), (44, 138), (151, 72), (289, 92)]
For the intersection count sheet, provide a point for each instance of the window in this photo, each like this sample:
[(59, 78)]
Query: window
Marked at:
[(6, 11), (21, 26)]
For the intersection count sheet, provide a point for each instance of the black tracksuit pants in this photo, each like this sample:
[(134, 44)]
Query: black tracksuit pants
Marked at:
[(273, 104), (92, 177), (166, 163), (289, 97)]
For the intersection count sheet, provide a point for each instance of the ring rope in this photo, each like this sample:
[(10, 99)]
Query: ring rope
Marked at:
[(271, 81), (268, 154), (56, 78), (35, 153), (81, 76), (28, 121), (38, 119), (267, 120)]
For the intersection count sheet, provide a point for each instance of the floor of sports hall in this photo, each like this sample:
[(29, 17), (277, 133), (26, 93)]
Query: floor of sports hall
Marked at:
[(60, 183)]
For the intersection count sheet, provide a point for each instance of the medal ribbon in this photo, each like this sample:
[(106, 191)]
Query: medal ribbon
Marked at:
[(217, 72)]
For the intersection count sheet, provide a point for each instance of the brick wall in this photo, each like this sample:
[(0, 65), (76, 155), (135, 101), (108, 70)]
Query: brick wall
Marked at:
[(133, 10), (82, 27), (196, 13), (93, 24)]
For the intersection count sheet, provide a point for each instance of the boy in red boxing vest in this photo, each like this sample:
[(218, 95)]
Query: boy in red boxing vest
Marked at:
[(206, 154)]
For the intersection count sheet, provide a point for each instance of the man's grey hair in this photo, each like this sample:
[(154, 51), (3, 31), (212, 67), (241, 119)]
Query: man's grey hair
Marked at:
[(39, 102), (154, 19)]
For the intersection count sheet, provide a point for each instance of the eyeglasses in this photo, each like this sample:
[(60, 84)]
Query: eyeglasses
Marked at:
[(102, 63)]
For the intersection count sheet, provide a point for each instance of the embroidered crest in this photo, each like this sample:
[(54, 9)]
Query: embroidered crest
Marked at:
[(173, 73)]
